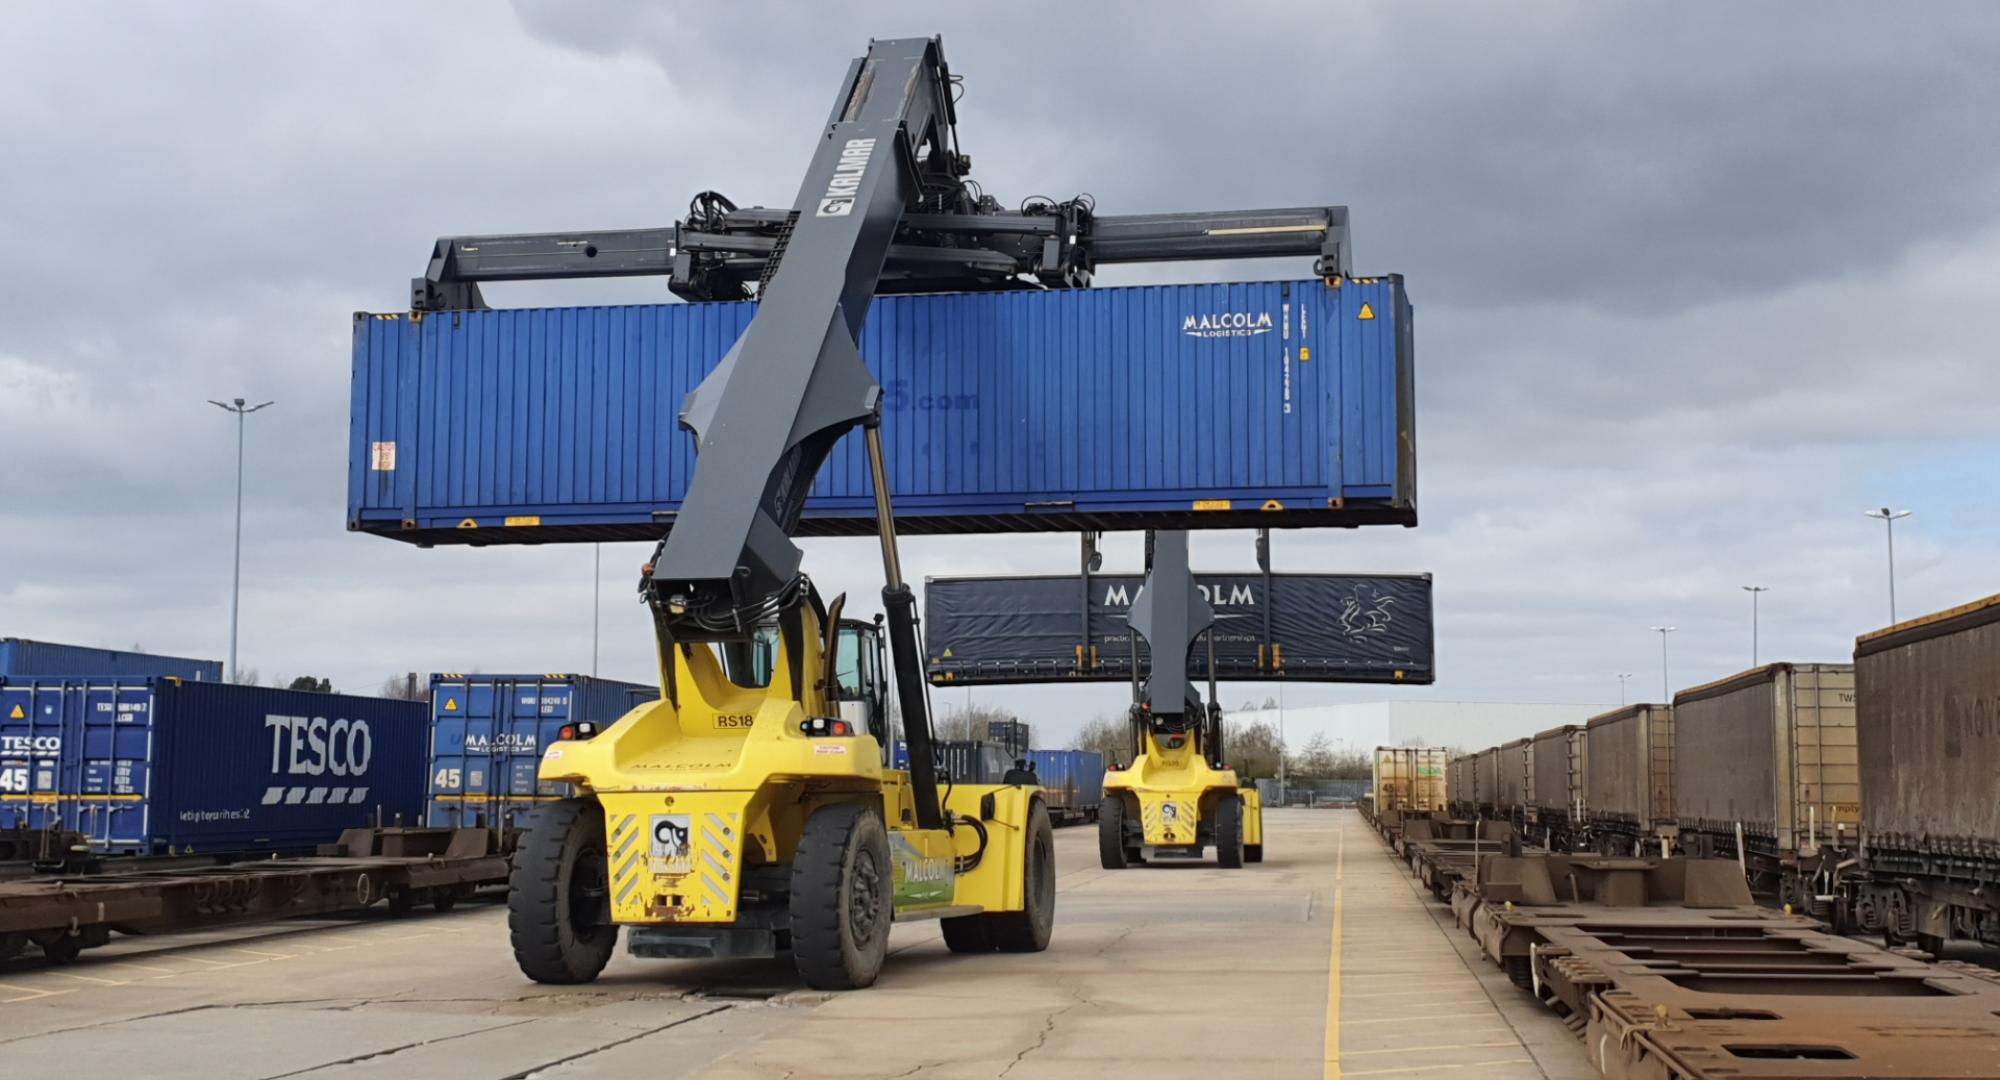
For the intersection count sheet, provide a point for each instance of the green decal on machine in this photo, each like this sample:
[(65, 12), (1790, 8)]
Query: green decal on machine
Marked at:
[(919, 881)]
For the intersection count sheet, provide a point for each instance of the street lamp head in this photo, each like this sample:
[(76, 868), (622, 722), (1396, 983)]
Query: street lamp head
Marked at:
[(1664, 629), (1756, 588), (1886, 514)]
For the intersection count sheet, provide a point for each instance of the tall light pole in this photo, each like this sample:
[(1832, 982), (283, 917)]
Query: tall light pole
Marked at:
[(236, 576), (1755, 592), (1889, 518), (1666, 695), (1622, 676)]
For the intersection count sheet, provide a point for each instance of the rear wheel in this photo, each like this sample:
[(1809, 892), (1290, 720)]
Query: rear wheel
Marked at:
[(1111, 834), (559, 896), (841, 905), (1029, 929), (1229, 832), (966, 934)]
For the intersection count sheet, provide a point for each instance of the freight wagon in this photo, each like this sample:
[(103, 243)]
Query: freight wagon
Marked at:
[(1072, 782), (1464, 796), (1260, 404), (1513, 772), (21, 658), (1486, 781), (146, 766), (488, 733), (1629, 777), (1410, 778), (1768, 757), (1928, 728), (1557, 759)]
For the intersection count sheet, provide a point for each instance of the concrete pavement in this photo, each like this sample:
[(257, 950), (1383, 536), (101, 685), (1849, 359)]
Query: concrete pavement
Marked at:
[(1160, 971)]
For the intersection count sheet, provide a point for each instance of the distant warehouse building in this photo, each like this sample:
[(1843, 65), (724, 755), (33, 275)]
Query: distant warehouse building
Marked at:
[(1463, 725)]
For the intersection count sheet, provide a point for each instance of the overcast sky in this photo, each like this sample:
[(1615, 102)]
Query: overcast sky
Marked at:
[(1695, 284)]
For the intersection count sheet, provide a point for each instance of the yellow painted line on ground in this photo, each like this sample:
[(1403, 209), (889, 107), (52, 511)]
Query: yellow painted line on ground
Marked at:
[(1332, 1063), (1424, 1049), (143, 967), (267, 955), (29, 993), (89, 979), (1441, 1068)]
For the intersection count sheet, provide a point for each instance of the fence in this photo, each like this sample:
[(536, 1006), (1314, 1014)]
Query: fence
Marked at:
[(1313, 792)]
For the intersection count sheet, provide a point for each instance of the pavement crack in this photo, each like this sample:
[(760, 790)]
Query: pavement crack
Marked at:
[(1042, 1038), (525, 1074), (373, 1054), (343, 1005)]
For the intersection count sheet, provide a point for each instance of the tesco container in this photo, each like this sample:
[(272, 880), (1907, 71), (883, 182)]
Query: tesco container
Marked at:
[(1771, 750), (1273, 403), (155, 766), (487, 734), (23, 658), (1072, 782)]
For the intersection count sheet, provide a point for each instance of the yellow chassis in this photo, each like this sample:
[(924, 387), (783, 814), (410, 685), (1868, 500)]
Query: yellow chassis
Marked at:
[(1172, 793)]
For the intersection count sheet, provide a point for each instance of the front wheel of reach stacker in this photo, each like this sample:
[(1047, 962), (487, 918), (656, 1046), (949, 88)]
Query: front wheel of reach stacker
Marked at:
[(841, 904), (1229, 832), (1111, 849), (559, 896)]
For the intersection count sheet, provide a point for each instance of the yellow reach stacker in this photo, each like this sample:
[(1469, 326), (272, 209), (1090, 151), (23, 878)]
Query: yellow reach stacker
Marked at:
[(751, 810), (1179, 797)]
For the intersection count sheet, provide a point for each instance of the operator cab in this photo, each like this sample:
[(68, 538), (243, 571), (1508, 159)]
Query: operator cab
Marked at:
[(860, 672)]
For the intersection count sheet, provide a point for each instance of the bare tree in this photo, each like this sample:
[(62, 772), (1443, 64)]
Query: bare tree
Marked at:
[(968, 724), (246, 677), (1109, 736), (404, 687), (1253, 749)]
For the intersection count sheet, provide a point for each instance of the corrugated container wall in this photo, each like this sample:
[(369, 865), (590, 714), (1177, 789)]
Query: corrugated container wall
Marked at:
[(1514, 773), (964, 762), (1463, 791), (1179, 406), (1411, 778), (1486, 777), (22, 658), (1928, 695), (1013, 735), (1072, 781), (1629, 766), (152, 766), (1772, 749), (488, 733), (1559, 766)]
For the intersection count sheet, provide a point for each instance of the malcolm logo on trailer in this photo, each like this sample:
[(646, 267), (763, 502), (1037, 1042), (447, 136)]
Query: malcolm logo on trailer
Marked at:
[(846, 183), (1240, 594), (1224, 324)]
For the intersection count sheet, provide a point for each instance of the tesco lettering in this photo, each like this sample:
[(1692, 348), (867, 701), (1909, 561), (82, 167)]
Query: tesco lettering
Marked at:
[(315, 746)]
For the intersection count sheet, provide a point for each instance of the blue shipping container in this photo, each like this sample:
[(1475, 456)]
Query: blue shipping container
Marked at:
[(1276, 403), (1073, 780), (152, 766), (21, 658), (488, 733)]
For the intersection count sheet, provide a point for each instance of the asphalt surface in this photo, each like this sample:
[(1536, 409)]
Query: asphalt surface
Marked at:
[(1324, 961)]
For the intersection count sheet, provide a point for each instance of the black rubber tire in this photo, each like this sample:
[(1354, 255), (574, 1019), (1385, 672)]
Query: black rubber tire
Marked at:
[(1229, 832), (1029, 929), (62, 950), (1111, 851), (842, 903), (966, 934), (559, 896), (1253, 853)]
